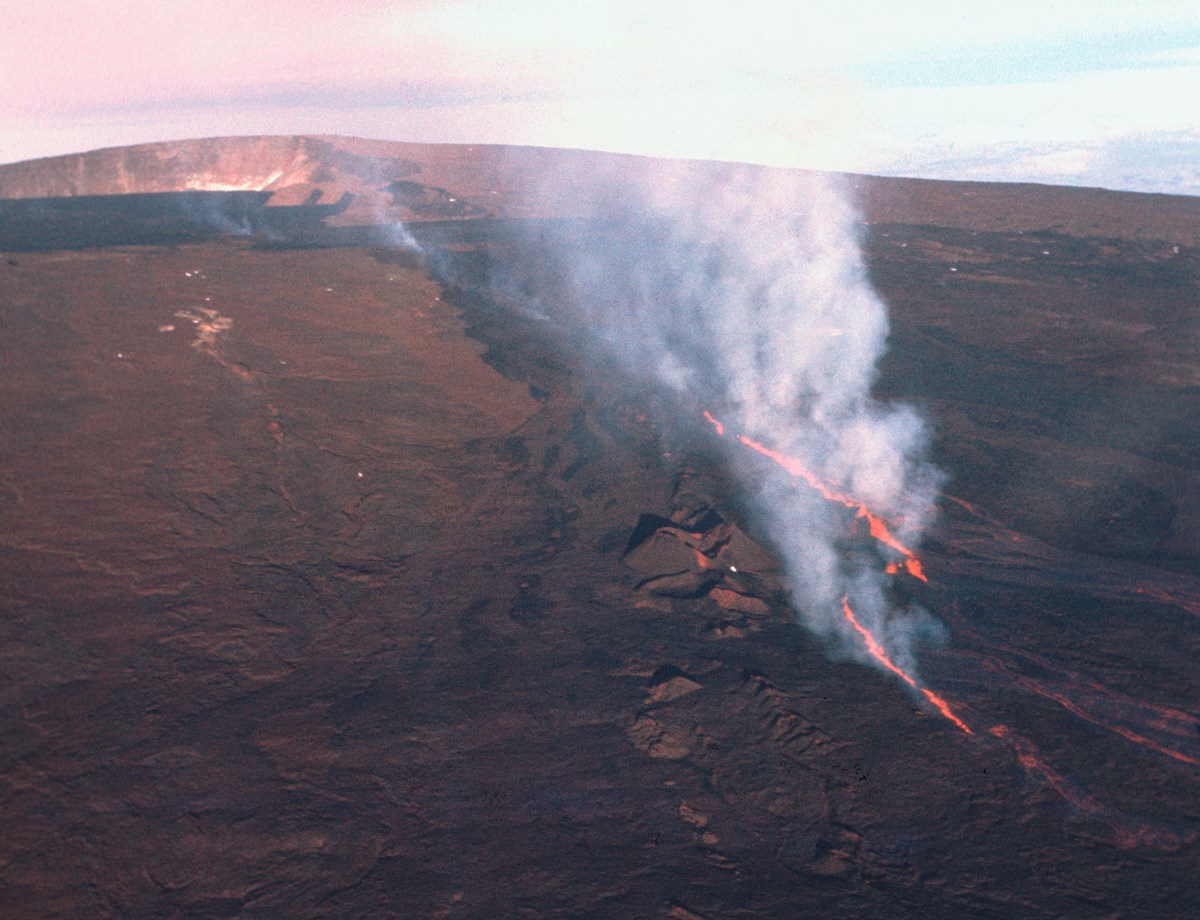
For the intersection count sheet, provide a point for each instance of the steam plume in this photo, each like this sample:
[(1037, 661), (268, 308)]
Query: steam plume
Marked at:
[(746, 290)]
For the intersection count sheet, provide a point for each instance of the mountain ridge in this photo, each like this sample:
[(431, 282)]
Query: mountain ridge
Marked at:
[(509, 181)]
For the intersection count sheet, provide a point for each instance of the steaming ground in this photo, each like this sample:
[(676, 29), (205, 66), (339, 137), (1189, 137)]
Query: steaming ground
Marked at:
[(744, 292)]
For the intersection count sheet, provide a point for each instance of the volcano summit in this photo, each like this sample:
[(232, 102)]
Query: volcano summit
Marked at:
[(402, 530)]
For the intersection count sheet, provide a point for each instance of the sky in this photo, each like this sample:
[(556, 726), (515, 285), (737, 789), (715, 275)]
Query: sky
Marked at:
[(1064, 91)]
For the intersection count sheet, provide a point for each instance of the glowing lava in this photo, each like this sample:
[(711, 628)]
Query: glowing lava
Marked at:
[(1132, 719), (1128, 832), (880, 654), (879, 530), (877, 526), (1082, 697), (712, 421)]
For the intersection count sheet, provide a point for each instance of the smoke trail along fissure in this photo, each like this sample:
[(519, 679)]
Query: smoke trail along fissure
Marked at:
[(745, 289), (880, 532)]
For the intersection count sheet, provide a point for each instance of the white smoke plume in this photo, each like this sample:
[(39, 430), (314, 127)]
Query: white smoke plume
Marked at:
[(746, 290)]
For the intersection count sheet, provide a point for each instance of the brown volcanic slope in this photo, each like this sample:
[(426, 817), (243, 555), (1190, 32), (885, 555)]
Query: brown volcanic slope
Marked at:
[(334, 586)]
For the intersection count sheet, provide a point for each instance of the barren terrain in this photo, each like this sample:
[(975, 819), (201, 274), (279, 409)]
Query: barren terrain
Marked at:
[(336, 584)]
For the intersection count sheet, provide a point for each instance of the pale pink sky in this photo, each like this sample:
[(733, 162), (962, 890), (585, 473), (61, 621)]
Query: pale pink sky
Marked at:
[(86, 54), (1058, 90)]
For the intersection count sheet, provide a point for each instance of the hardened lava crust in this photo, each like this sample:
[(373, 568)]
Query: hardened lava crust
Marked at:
[(337, 582)]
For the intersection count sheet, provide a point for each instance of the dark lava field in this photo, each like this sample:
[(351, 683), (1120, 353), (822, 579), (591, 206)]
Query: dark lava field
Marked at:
[(335, 582)]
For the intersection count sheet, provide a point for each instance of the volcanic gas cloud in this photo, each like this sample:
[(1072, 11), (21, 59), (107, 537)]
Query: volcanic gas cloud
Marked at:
[(744, 292)]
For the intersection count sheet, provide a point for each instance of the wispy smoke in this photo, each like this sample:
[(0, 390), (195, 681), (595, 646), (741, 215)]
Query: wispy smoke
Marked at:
[(745, 290)]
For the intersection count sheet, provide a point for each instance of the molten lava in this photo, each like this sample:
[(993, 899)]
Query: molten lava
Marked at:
[(1082, 697), (1137, 721), (880, 654), (712, 421), (876, 525), (879, 530), (1128, 832)]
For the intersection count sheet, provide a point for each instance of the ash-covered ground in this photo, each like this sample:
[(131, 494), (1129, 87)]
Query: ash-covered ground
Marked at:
[(337, 581)]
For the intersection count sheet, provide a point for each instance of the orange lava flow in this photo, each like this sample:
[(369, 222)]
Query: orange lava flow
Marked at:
[(1096, 697), (880, 654), (1128, 831), (1029, 759), (1089, 700), (877, 526), (712, 421), (879, 530), (1126, 733)]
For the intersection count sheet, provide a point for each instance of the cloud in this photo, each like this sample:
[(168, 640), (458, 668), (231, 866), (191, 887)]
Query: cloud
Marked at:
[(89, 52)]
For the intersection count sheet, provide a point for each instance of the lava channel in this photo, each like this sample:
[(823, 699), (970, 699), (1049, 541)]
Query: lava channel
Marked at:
[(879, 530), (877, 526), (880, 654)]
